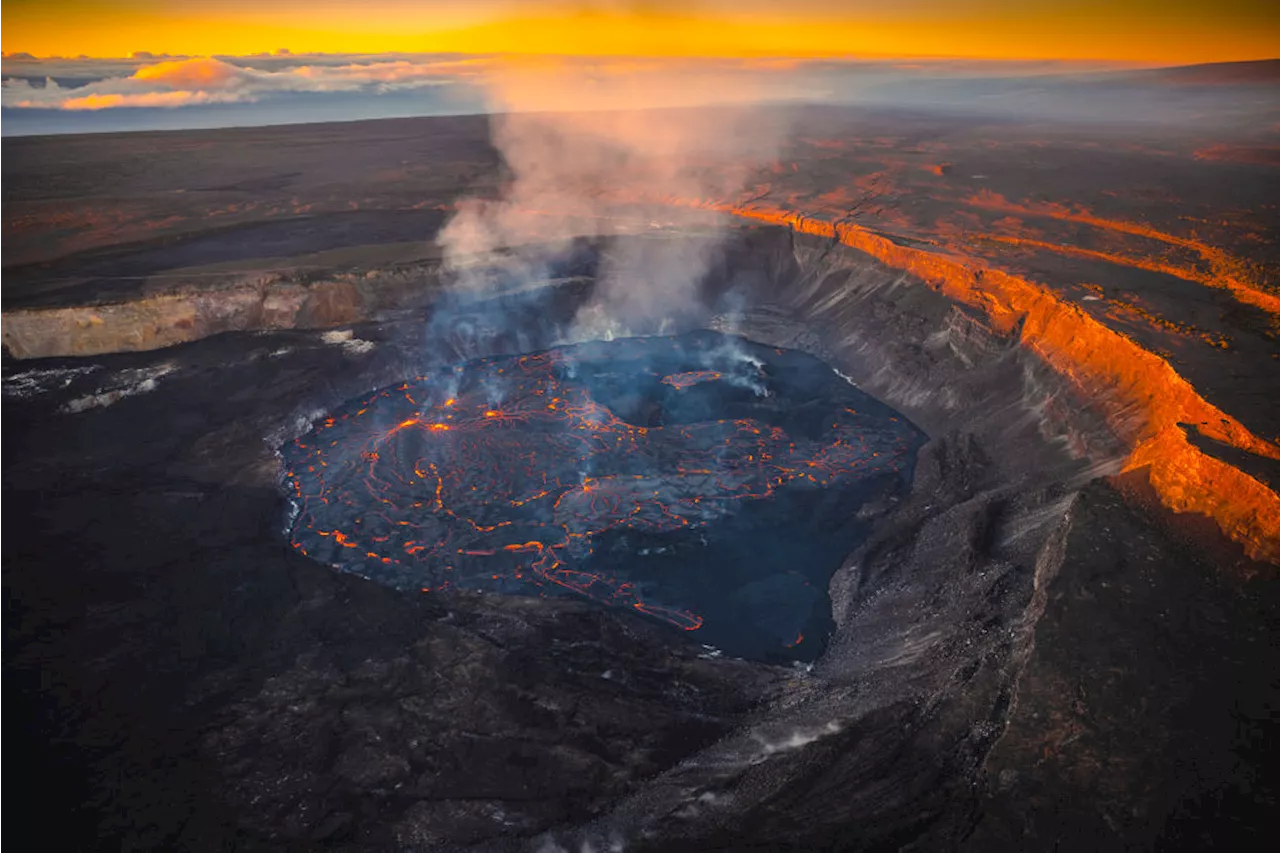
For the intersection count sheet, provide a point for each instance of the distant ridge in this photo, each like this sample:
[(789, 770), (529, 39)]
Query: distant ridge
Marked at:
[(1216, 73)]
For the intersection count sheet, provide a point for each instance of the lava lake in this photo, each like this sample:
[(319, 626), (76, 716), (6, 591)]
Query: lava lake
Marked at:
[(701, 480)]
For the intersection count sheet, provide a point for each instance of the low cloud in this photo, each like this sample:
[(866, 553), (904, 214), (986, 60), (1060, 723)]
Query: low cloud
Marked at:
[(62, 84), (35, 91), (158, 80), (197, 74), (144, 99), (209, 80)]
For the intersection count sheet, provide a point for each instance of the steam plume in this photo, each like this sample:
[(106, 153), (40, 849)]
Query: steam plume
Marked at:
[(595, 149)]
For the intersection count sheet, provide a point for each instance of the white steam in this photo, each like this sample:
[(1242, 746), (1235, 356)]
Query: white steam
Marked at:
[(590, 156)]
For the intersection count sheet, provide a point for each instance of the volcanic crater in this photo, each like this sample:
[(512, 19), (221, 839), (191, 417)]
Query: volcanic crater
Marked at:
[(945, 529), (702, 480)]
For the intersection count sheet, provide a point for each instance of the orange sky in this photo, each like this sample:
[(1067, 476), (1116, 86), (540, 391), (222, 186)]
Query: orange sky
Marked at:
[(1146, 31)]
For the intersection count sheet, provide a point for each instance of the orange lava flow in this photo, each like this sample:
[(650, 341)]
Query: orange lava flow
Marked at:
[(1143, 398)]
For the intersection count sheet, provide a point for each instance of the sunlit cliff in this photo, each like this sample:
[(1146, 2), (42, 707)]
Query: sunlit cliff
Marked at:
[(1143, 398)]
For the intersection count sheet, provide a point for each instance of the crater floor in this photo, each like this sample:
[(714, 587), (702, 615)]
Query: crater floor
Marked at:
[(703, 480)]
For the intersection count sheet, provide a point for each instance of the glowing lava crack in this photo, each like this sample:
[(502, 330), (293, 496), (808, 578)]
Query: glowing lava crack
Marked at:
[(702, 480)]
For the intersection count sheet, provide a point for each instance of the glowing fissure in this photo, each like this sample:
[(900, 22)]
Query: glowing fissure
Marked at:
[(1143, 398), (508, 475)]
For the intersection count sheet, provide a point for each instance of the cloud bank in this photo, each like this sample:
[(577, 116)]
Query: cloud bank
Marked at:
[(208, 80), (162, 81), (60, 95)]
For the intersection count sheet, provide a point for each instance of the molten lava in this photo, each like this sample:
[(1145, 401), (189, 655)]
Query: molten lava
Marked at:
[(701, 480)]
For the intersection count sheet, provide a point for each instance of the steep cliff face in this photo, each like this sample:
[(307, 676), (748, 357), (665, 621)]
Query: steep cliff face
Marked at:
[(1144, 402), (184, 313)]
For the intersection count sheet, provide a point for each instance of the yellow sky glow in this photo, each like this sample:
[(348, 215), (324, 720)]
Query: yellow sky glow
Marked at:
[(991, 32)]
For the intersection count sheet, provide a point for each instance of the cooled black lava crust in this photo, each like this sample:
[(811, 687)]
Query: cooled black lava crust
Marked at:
[(702, 480)]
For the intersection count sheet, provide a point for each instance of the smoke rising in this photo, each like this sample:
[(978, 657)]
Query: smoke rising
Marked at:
[(594, 150)]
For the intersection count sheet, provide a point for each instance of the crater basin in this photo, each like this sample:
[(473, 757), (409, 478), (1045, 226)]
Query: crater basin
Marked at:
[(701, 480)]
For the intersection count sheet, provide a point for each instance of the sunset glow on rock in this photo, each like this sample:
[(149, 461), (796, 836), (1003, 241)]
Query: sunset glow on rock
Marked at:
[(1124, 378)]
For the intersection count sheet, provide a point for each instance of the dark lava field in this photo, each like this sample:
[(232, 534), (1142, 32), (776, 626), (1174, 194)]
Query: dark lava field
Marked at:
[(938, 513)]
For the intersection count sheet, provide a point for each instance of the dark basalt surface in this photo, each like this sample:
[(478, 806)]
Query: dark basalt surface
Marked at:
[(1020, 659), (702, 480), (105, 274), (185, 680)]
